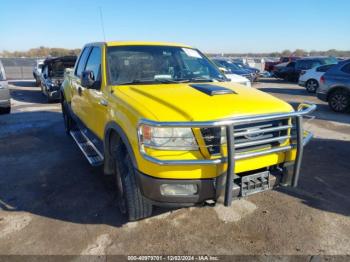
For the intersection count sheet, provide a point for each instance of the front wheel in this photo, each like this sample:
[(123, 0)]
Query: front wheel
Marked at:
[(311, 85), (131, 201), (339, 101)]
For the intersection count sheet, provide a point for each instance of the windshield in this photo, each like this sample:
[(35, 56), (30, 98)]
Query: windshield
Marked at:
[(228, 65), (152, 64)]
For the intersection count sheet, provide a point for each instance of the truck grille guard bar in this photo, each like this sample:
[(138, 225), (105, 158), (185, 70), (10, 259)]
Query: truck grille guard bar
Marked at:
[(301, 140)]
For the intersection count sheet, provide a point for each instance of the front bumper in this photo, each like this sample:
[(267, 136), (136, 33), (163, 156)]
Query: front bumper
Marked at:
[(5, 103), (300, 140), (322, 96), (302, 83), (210, 189)]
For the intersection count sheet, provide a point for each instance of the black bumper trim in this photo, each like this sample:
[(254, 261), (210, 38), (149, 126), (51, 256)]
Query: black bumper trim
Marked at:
[(208, 189)]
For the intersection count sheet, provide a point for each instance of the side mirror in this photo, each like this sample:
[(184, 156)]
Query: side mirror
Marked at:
[(88, 80)]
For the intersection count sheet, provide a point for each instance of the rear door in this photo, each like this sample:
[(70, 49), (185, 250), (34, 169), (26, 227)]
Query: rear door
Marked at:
[(78, 103)]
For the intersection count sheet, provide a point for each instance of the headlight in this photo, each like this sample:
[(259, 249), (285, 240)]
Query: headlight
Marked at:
[(167, 138)]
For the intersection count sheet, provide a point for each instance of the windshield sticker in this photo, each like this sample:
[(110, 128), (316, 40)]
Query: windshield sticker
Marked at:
[(191, 52)]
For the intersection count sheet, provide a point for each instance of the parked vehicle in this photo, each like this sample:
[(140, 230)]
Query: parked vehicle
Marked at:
[(291, 72), (236, 78), (163, 120), (5, 98), (310, 79), (335, 87), (37, 69), (232, 68), (270, 65), (253, 71), (53, 74)]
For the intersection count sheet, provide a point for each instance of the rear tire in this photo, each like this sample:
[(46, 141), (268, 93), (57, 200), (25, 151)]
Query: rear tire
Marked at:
[(311, 86), (339, 101), (131, 201)]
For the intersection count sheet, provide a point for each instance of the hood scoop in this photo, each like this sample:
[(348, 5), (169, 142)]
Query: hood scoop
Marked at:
[(212, 90)]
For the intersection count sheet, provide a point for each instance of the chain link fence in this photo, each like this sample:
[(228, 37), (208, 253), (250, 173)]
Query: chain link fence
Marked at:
[(18, 68)]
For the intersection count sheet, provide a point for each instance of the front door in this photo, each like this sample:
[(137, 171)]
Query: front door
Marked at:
[(95, 98)]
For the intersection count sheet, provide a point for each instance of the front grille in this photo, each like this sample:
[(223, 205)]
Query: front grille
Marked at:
[(249, 137), (259, 135)]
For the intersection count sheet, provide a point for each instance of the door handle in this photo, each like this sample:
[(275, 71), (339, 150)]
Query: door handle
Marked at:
[(103, 102)]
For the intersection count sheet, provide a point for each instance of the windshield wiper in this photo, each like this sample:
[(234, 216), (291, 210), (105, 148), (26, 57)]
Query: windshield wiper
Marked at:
[(171, 81), (137, 81)]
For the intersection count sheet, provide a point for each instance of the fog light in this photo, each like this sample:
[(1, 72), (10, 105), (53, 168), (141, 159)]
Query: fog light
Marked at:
[(178, 189)]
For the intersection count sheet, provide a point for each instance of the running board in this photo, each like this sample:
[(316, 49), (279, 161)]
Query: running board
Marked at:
[(89, 150)]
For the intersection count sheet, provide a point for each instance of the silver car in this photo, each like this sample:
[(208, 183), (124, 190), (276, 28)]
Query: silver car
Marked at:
[(5, 99), (335, 87)]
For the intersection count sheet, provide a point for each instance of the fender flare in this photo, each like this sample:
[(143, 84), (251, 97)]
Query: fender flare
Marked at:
[(114, 127)]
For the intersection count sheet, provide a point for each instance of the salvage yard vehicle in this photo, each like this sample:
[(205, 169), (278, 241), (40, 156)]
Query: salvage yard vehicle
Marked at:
[(167, 125), (310, 79), (53, 74), (233, 68), (5, 99), (236, 78), (335, 87), (37, 69), (291, 71)]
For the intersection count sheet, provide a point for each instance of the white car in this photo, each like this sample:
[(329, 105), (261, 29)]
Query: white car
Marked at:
[(5, 99), (239, 79), (310, 79), (37, 71), (236, 78)]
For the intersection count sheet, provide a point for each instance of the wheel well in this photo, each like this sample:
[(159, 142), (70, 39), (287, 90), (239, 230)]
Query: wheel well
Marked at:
[(312, 79), (338, 88), (114, 134)]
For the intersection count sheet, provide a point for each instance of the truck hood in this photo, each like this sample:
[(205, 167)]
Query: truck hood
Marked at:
[(183, 102)]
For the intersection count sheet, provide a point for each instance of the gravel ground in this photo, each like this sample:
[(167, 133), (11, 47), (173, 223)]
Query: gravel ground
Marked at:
[(53, 202)]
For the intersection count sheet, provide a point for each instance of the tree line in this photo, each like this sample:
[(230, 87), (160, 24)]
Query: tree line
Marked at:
[(41, 52), (287, 52), (54, 52)]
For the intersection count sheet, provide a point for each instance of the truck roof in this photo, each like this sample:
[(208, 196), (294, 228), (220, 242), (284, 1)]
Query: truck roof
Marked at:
[(133, 43)]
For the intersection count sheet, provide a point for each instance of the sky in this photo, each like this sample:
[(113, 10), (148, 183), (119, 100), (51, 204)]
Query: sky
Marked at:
[(210, 25)]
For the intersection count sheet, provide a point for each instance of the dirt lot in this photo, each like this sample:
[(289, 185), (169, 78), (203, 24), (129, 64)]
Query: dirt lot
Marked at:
[(53, 202)]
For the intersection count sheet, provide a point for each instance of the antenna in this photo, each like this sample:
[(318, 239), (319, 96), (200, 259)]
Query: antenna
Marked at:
[(102, 24)]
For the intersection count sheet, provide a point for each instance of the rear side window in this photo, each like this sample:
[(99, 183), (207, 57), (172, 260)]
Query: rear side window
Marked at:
[(308, 64), (324, 68), (346, 68), (82, 61), (94, 62)]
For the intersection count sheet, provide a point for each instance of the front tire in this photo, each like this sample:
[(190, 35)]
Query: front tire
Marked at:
[(339, 101), (131, 201), (311, 86)]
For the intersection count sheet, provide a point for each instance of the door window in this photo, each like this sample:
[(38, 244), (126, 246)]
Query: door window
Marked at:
[(82, 61), (94, 62)]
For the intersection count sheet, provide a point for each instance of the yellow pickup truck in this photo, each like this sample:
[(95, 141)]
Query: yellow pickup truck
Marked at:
[(173, 131)]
